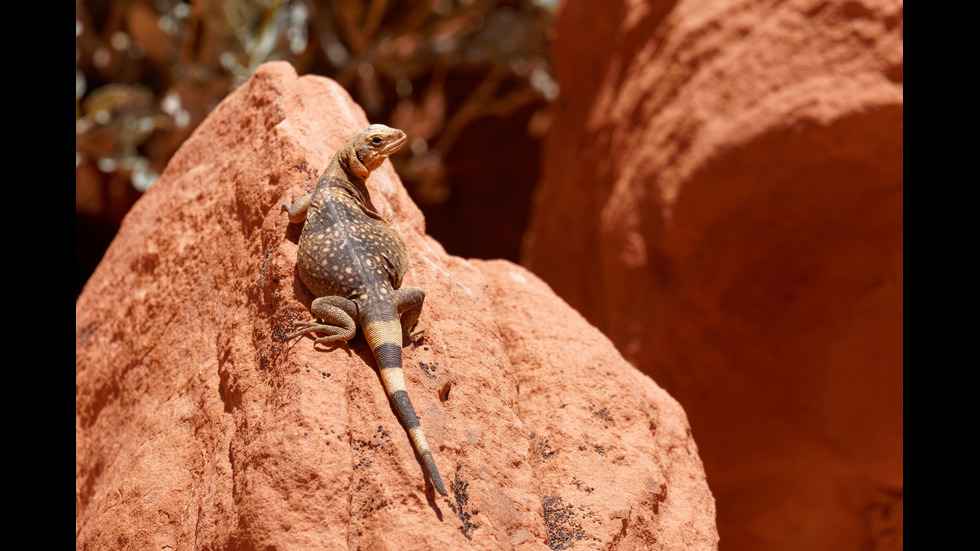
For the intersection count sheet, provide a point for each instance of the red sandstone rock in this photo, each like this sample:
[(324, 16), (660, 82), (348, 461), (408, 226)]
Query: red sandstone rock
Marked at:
[(723, 195), (198, 427)]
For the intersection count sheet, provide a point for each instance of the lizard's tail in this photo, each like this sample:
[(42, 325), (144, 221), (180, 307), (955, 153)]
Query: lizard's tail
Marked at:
[(385, 339)]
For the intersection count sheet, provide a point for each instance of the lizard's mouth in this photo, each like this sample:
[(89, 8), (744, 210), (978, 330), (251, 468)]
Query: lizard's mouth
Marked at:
[(396, 145)]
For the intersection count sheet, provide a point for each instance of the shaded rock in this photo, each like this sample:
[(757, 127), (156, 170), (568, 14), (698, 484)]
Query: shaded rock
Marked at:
[(198, 426), (723, 196)]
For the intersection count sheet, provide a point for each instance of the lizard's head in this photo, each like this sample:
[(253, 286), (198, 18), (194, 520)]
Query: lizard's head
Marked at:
[(376, 143)]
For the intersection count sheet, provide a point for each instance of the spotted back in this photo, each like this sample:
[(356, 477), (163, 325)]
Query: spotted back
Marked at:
[(345, 252)]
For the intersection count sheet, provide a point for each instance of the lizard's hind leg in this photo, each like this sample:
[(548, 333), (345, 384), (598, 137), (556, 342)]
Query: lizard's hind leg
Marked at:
[(336, 315), (408, 304)]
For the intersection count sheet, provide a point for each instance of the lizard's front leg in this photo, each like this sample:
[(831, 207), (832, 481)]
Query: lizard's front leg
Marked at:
[(336, 315), (297, 211)]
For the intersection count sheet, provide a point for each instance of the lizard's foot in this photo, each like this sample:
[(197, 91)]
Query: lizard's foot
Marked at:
[(335, 317), (409, 336), (334, 332)]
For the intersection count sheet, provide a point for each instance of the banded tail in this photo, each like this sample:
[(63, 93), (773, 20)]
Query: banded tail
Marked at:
[(384, 336)]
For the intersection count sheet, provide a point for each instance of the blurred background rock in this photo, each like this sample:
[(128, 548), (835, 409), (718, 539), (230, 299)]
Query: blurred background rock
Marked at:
[(466, 79)]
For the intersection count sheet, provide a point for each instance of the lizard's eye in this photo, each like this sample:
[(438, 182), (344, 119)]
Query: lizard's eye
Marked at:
[(376, 140)]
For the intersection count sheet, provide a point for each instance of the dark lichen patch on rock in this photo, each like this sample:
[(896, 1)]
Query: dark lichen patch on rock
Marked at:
[(370, 505), (559, 520), (429, 369), (603, 415), (582, 486), (543, 449), (378, 442), (597, 448), (466, 517)]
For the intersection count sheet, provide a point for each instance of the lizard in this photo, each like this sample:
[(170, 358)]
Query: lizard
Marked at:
[(353, 262)]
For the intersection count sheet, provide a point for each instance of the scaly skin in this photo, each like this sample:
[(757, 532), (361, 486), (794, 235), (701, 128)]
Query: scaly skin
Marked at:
[(353, 261)]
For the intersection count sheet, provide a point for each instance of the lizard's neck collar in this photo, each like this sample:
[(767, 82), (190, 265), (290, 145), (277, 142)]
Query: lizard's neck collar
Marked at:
[(348, 161)]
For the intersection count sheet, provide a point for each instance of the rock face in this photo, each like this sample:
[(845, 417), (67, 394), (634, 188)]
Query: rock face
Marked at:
[(723, 196), (197, 426)]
